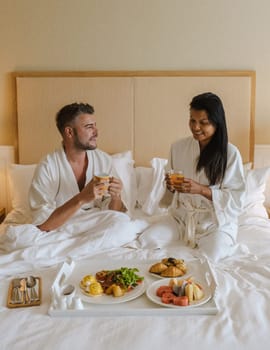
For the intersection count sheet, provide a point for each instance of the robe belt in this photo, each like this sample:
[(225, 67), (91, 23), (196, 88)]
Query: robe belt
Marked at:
[(190, 225)]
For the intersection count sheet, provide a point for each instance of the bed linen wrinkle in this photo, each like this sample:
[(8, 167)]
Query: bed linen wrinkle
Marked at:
[(88, 233)]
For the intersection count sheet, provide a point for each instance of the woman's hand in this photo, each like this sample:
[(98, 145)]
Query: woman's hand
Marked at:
[(183, 186), (169, 183), (192, 187), (188, 186)]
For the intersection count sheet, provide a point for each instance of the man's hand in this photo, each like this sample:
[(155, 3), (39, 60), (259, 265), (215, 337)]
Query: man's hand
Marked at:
[(89, 192), (115, 187)]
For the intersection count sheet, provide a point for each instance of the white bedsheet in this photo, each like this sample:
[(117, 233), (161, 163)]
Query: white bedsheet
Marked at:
[(243, 320)]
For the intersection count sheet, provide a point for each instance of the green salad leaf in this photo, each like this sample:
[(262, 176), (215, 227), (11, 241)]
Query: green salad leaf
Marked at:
[(127, 277)]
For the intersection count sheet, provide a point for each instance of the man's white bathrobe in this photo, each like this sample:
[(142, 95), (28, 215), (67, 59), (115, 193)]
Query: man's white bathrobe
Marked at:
[(54, 182), (90, 230), (212, 225)]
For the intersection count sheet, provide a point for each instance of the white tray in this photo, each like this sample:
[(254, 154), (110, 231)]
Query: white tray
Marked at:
[(71, 273)]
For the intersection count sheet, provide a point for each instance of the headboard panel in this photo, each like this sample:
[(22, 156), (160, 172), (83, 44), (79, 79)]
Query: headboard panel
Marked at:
[(139, 111)]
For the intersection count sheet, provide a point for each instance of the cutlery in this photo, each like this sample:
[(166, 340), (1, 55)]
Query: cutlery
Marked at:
[(69, 289), (31, 283), (16, 295), (23, 289)]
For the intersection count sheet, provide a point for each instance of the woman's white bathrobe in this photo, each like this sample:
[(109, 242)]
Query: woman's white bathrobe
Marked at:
[(212, 225), (54, 182)]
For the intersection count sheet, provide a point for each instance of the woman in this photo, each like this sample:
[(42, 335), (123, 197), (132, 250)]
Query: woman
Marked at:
[(209, 200)]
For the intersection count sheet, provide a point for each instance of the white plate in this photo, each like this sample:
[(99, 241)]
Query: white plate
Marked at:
[(110, 299), (151, 294)]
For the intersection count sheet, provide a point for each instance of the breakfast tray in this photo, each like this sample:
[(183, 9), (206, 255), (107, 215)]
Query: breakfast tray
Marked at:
[(72, 305)]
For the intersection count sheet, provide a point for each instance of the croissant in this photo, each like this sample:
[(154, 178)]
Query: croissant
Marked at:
[(158, 268), (172, 271), (182, 266)]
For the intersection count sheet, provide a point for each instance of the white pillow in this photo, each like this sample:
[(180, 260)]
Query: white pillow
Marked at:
[(124, 167), (247, 166), (144, 178), (151, 187), (256, 180), (123, 155), (20, 177), (267, 194)]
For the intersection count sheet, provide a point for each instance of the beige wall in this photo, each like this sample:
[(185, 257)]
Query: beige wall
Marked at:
[(48, 35)]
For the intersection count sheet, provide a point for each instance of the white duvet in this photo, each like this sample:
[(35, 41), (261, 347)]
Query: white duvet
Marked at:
[(242, 321), (25, 247)]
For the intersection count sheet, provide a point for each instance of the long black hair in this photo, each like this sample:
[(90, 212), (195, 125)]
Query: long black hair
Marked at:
[(213, 157)]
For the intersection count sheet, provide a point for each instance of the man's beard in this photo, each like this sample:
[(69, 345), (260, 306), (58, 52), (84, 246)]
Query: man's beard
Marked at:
[(81, 146)]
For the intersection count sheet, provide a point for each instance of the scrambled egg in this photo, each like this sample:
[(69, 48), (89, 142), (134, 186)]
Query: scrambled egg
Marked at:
[(87, 280), (95, 288)]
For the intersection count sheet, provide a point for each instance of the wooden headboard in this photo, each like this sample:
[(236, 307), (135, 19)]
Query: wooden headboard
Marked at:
[(140, 111)]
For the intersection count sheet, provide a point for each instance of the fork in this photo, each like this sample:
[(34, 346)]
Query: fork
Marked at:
[(23, 289)]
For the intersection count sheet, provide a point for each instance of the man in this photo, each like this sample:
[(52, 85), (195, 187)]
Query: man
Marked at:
[(64, 181)]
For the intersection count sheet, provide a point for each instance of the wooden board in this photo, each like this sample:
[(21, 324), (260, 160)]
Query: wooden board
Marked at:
[(10, 300), (139, 111)]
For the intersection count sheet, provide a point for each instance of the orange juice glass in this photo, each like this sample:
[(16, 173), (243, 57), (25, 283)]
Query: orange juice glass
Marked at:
[(177, 177), (105, 180)]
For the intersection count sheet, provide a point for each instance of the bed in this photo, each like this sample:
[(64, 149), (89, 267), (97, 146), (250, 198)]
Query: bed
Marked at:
[(238, 313)]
